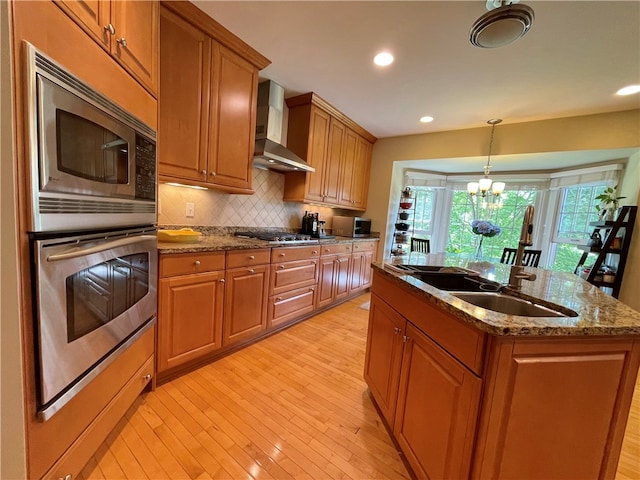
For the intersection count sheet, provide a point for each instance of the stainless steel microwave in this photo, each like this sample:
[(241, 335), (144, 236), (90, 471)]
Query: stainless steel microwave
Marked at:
[(351, 226), (92, 163)]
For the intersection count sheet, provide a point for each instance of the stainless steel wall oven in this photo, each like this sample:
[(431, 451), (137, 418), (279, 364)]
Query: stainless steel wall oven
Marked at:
[(93, 235)]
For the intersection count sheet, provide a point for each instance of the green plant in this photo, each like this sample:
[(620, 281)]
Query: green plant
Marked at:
[(608, 199)]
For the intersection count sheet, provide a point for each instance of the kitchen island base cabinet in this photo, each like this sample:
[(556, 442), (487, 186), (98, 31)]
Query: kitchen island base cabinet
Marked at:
[(437, 409), (551, 406)]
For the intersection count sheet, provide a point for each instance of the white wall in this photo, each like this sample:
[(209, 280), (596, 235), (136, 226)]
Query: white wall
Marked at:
[(12, 436)]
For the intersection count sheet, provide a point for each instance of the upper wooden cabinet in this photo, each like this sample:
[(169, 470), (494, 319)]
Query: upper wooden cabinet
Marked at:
[(207, 102), (339, 150), (128, 30)]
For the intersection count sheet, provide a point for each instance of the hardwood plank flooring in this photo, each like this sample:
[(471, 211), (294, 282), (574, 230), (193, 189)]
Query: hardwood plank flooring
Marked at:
[(293, 406)]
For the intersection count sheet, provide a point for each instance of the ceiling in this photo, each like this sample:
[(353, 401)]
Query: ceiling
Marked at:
[(573, 60)]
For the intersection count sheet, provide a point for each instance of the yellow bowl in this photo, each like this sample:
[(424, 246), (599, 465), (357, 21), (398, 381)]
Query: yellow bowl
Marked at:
[(184, 235)]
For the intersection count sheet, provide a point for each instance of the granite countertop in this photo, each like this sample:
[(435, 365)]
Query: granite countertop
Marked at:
[(597, 312), (216, 242)]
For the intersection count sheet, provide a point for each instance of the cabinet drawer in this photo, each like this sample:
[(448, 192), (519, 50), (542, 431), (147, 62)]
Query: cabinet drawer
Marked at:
[(188, 263), (286, 254), (247, 258), (336, 248), (291, 305), (291, 275), (364, 246)]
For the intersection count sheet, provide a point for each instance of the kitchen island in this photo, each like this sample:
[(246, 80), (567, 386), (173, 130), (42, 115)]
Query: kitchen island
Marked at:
[(473, 393)]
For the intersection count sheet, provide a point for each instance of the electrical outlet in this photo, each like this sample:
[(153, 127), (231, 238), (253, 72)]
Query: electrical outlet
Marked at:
[(191, 210)]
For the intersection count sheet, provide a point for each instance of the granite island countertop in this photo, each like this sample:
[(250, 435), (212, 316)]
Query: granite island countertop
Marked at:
[(597, 312)]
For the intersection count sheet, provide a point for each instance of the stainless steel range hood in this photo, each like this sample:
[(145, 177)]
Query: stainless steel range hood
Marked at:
[(269, 152)]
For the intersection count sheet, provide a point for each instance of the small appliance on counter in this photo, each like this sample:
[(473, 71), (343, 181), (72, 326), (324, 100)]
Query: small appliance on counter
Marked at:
[(311, 225), (351, 226)]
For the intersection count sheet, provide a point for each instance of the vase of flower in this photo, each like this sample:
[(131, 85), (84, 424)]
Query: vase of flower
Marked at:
[(483, 228)]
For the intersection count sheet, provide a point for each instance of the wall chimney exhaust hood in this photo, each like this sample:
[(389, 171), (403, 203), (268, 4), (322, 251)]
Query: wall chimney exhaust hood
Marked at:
[(269, 153)]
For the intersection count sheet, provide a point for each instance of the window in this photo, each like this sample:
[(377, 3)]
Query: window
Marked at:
[(424, 203), (508, 218), (577, 208)]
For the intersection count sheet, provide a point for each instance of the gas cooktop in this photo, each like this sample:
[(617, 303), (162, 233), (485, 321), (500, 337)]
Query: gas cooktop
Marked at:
[(278, 237)]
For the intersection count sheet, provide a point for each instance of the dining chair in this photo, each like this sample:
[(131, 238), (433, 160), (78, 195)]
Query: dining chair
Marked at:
[(530, 258), (420, 245)]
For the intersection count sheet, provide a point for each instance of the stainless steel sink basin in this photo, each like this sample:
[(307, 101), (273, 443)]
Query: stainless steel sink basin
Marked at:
[(459, 282), (500, 302)]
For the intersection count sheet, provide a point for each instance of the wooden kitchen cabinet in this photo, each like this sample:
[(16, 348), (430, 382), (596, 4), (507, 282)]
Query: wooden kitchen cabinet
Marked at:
[(190, 315), (360, 275), (126, 29), (333, 275), (207, 103), (246, 295), (293, 283), (384, 355), (438, 402), (338, 148)]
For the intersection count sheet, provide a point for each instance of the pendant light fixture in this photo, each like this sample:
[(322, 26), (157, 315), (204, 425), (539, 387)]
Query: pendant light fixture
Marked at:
[(506, 22), (485, 188)]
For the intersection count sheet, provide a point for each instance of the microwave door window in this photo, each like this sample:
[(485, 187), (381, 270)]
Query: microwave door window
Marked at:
[(88, 150)]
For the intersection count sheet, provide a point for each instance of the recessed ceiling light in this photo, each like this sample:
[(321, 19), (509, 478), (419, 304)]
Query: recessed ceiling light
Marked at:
[(383, 59), (629, 90), (426, 119)]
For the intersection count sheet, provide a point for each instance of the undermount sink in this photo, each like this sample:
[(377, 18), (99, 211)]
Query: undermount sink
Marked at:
[(459, 282), (507, 304)]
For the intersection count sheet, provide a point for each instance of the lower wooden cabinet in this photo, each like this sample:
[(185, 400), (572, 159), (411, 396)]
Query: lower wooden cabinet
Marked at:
[(552, 407), (360, 273), (384, 355), (245, 305), (437, 409), (333, 281), (190, 309), (290, 305)]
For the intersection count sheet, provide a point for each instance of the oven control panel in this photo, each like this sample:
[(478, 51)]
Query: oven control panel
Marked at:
[(145, 161)]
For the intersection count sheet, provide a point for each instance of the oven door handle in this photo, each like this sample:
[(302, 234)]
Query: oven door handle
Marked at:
[(81, 252)]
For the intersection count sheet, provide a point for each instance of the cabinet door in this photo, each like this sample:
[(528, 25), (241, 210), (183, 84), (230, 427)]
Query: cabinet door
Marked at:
[(349, 169), (333, 164), (135, 43), (189, 318), (362, 170), (233, 115), (92, 16), (438, 403), (384, 356), (245, 305), (326, 280), (341, 277), (366, 274), (355, 275), (317, 154), (185, 57)]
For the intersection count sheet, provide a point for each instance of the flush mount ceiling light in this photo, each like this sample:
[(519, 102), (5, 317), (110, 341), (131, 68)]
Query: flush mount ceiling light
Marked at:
[(383, 59), (629, 90), (505, 22), (426, 119), (486, 189)]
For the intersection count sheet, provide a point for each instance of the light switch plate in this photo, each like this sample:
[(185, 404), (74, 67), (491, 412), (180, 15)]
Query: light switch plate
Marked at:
[(191, 209)]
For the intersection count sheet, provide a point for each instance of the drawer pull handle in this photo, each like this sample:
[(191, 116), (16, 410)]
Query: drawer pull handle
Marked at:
[(315, 252), (278, 299), (147, 377), (312, 289), (252, 257), (281, 255), (327, 249), (281, 267), (197, 263), (251, 270)]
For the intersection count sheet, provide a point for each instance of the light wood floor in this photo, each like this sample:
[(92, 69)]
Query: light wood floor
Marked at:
[(293, 406)]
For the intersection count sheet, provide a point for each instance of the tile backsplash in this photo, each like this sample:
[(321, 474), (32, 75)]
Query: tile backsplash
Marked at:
[(265, 208)]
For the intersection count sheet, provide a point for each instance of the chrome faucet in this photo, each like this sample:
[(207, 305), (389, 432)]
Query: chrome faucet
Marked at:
[(517, 270)]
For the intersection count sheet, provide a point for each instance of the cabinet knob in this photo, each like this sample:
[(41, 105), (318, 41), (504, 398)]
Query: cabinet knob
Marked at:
[(110, 28), (252, 257), (222, 280), (197, 263), (123, 42), (68, 476), (282, 254), (313, 262), (251, 270), (147, 377), (327, 249), (281, 267), (204, 172), (396, 330), (213, 174), (315, 252), (278, 299)]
